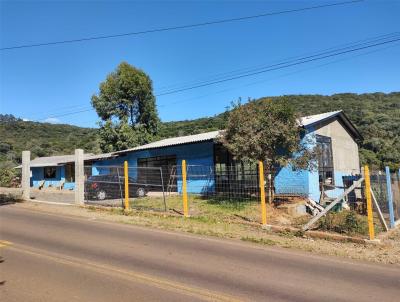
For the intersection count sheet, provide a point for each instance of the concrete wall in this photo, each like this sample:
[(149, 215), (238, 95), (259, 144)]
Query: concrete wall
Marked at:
[(345, 154), (344, 148)]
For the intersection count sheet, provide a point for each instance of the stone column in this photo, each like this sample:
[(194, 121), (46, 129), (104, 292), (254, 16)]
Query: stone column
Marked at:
[(79, 177), (26, 175)]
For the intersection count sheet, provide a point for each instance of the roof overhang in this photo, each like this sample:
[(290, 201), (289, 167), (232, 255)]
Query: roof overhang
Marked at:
[(342, 117)]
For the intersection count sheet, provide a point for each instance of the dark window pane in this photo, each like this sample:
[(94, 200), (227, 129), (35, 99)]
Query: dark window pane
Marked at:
[(50, 172)]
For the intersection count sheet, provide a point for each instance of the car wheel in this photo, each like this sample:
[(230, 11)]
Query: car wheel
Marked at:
[(140, 192), (101, 195)]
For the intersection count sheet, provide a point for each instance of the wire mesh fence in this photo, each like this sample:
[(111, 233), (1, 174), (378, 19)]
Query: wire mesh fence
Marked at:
[(395, 183), (160, 188), (386, 189), (105, 185), (230, 183)]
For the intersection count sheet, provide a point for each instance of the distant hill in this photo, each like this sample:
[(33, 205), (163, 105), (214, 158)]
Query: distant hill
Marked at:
[(376, 115), (43, 139)]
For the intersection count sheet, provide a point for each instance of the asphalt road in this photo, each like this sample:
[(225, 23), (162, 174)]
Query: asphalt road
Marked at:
[(50, 257)]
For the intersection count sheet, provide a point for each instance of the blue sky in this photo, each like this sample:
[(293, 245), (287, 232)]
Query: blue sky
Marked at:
[(38, 83)]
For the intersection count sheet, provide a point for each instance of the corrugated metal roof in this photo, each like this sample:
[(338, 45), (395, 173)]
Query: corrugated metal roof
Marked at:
[(173, 141), (304, 121), (312, 119), (49, 161), (180, 140)]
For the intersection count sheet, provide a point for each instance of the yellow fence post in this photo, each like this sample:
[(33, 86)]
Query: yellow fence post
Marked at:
[(126, 182), (369, 204), (262, 192), (184, 190)]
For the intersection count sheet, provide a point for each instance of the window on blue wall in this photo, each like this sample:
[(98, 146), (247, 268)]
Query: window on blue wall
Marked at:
[(325, 160), (150, 175), (70, 172), (50, 172)]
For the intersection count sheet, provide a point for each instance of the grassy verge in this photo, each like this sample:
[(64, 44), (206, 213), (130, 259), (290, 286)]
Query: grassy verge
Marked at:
[(233, 221), (240, 222)]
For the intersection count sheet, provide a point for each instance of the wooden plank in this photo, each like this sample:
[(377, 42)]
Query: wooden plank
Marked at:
[(335, 202), (381, 218)]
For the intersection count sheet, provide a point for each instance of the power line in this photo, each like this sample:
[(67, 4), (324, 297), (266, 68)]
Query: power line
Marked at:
[(277, 77), (78, 109), (179, 26), (281, 65), (68, 113), (285, 65), (277, 63)]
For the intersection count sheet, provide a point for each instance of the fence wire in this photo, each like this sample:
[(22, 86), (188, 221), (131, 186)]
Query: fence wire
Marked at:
[(395, 181), (231, 183), (105, 185), (158, 188), (380, 188)]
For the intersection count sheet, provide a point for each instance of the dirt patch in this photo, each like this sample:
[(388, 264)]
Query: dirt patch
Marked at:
[(10, 195)]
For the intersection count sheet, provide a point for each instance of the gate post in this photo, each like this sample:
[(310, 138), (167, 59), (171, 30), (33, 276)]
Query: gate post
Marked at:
[(389, 197), (26, 175), (262, 192), (79, 177), (126, 186), (184, 190), (369, 204)]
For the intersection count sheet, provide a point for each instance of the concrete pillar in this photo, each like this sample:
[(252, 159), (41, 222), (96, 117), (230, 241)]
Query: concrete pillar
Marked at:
[(79, 178), (26, 175)]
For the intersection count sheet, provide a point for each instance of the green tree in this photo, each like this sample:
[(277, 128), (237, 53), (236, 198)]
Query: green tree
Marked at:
[(267, 131), (127, 109)]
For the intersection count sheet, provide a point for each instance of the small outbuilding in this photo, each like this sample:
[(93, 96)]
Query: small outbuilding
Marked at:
[(59, 171)]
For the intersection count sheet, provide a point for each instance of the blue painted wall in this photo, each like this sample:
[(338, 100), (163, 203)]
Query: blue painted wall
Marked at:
[(304, 182), (288, 181), (197, 154), (38, 176)]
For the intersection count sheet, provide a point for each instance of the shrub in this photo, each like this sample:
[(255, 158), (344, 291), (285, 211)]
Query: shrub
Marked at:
[(344, 222), (7, 176)]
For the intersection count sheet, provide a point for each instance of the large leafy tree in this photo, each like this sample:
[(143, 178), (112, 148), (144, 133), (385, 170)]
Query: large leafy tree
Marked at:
[(127, 109), (268, 131)]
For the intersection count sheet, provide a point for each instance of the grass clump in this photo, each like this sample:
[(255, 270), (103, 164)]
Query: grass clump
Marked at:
[(344, 222), (259, 240)]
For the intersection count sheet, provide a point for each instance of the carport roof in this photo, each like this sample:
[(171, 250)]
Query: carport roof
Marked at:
[(60, 160)]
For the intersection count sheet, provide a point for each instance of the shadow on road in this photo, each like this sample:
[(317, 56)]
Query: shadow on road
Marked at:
[(8, 199)]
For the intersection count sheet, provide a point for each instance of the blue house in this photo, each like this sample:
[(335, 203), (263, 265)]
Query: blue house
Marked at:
[(59, 171), (208, 160), (210, 166)]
